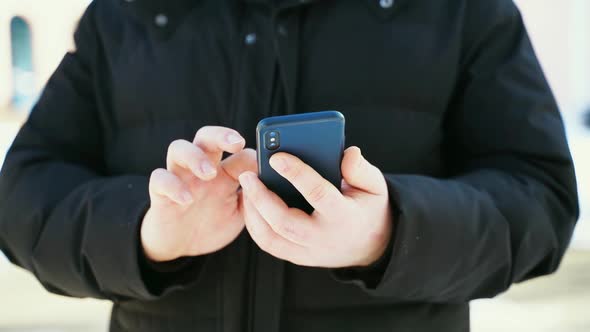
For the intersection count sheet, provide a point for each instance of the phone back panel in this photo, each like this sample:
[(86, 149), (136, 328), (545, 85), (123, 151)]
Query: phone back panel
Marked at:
[(316, 138)]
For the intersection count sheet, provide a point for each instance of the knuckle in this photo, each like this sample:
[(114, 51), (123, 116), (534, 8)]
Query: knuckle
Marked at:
[(228, 131), (174, 146), (202, 130), (296, 170), (318, 192), (157, 174), (210, 137), (293, 232), (202, 134), (221, 134)]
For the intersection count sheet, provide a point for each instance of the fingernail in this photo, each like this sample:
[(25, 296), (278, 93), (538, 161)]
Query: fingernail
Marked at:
[(246, 181), (196, 170), (207, 168), (186, 198), (279, 164), (233, 138)]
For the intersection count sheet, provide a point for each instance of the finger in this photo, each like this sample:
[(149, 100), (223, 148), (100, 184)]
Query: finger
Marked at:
[(319, 192), (186, 155), (292, 224), (267, 239), (239, 163), (215, 140), (344, 186), (165, 186), (361, 174)]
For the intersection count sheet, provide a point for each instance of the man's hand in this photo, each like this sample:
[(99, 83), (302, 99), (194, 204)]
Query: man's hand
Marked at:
[(346, 229), (194, 201)]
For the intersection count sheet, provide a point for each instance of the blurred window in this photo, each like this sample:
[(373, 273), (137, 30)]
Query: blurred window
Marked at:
[(22, 64)]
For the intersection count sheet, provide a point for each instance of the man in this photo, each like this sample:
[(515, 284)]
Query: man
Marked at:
[(458, 181)]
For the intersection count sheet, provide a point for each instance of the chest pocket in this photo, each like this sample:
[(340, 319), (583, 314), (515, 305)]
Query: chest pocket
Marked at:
[(392, 75), (167, 88), (396, 140)]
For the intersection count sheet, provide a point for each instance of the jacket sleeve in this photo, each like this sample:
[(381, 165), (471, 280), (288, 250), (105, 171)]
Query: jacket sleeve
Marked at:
[(61, 216), (508, 208)]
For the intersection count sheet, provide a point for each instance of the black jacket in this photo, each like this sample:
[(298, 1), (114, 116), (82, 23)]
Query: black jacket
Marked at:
[(445, 97)]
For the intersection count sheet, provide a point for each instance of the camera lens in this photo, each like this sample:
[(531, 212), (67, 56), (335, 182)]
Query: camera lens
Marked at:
[(271, 140)]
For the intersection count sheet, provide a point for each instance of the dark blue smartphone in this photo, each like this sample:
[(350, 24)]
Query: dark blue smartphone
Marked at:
[(316, 138)]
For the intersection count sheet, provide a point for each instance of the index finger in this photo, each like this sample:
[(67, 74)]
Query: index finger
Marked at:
[(318, 192), (214, 140)]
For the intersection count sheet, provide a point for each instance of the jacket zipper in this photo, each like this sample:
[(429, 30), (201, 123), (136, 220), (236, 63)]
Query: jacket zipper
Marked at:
[(251, 294)]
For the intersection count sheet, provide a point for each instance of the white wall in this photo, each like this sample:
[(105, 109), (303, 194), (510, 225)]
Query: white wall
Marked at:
[(52, 24)]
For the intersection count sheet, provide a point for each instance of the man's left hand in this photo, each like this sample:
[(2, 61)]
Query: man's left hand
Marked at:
[(348, 228)]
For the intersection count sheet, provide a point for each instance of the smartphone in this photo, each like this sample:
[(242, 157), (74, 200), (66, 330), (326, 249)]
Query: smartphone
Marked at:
[(316, 138)]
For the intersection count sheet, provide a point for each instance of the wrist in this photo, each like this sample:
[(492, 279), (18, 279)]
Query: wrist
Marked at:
[(149, 243), (379, 240)]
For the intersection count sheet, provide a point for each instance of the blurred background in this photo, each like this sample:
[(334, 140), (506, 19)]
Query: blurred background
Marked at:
[(35, 34)]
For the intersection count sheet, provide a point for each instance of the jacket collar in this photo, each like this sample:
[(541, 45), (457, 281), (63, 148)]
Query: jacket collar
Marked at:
[(174, 11)]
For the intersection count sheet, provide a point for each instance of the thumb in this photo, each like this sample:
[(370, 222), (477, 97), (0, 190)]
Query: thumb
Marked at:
[(361, 174)]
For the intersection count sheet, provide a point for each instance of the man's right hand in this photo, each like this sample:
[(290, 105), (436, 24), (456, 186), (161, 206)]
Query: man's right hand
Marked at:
[(194, 201)]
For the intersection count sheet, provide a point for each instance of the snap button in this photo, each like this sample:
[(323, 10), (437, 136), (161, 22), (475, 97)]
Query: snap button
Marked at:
[(161, 20), (386, 4), (250, 39)]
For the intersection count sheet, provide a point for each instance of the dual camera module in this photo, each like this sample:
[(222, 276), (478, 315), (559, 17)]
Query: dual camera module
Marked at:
[(272, 140)]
